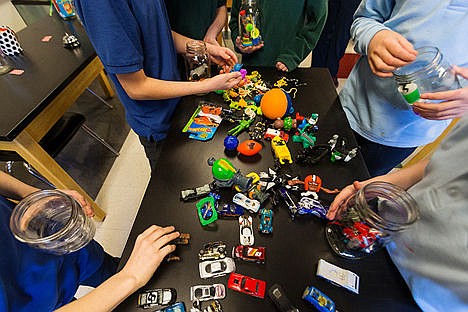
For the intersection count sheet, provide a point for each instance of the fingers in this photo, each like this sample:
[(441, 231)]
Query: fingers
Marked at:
[(249, 49), (462, 71), (280, 66), (442, 95), (340, 200), (389, 50), (439, 111), (156, 229), (85, 205)]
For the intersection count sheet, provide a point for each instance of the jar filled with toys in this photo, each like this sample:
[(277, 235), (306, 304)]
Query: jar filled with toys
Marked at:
[(430, 72), (197, 61), (249, 23), (369, 218), (52, 221)]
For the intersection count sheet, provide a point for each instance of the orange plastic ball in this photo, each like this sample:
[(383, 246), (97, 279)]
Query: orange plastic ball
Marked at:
[(274, 104)]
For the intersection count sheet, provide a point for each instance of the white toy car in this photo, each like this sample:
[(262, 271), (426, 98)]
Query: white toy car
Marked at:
[(246, 230), (155, 297), (216, 268), (251, 205), (207, 292)]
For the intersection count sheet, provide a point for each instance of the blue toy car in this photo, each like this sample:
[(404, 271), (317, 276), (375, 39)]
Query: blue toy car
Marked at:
[(230, 210), (266, 221), (318, 299), (309, 206)]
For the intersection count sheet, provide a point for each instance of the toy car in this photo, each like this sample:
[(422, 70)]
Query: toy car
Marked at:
[(246, 231), (216, 268), (251, 205), (360, 235), (214, 306), (212, 251), (247, 285), (266, 221), (271, 133), (206, 210), (155, 297), (282, 302), (230, 210), (207, 292), (247, 253), (318, 299), (308, 205), (176, 307), (281, 150)]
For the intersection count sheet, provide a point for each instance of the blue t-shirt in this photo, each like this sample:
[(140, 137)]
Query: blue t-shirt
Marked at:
[(31, 280), (130, 35)]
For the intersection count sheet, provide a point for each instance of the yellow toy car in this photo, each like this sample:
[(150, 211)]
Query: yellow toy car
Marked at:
[(281, 150)]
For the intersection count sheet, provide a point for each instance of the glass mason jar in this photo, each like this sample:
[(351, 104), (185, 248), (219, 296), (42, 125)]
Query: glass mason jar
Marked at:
[(430, 72), (52, 221), (369, 218), (5, 65), (249, 23), (197, 61)]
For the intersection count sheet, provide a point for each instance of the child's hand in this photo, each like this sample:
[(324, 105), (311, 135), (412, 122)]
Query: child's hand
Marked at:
[(280, 66), (223, 81), (249, 49), (387, 51), (222, 56), (88, 210)]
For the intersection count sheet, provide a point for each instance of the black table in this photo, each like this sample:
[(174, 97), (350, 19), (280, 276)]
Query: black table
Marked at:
[(54, 77), (295, 246)]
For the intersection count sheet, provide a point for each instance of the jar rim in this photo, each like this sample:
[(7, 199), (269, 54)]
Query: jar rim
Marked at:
[(385, 190), (402, 76), (15, 214)]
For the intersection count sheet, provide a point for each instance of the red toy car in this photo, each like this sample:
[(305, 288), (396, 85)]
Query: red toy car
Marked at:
[(360, 235), (249, 253), (247, 285)]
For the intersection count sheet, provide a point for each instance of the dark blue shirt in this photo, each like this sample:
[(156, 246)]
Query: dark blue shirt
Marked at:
[(31, 280), (130, 35)]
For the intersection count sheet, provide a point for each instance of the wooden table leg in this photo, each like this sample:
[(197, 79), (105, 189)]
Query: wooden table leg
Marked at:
[(33, 153), (105, 84)]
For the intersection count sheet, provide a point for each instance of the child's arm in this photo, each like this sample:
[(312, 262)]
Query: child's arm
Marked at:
[(13, 188)]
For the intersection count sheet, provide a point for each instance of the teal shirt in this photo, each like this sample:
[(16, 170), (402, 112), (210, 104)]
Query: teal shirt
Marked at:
[(192, 18), (290, 30)]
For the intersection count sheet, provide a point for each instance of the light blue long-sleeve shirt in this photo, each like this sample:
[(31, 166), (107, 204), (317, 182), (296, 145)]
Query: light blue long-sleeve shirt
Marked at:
[(373, 105)]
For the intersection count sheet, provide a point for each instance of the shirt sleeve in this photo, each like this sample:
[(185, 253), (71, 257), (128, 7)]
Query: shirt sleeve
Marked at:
[(114, 33), (221, 3), (233, 22), (306, 39), (368, 20)]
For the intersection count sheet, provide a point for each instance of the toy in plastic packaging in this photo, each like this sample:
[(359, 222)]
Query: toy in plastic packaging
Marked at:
[(64, 8), (204, 122)]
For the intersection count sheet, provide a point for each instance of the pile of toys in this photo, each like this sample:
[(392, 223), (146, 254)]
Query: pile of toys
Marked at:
[(265, 111)]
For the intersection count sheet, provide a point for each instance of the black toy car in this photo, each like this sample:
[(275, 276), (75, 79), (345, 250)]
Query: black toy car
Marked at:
[(212, 251)]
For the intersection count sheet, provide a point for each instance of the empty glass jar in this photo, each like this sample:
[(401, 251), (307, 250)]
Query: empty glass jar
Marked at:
[(369, 218), (51, 221), (430, 72), (197, 61)]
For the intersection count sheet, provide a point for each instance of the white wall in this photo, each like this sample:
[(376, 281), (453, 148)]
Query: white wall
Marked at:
[(9, 16)]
